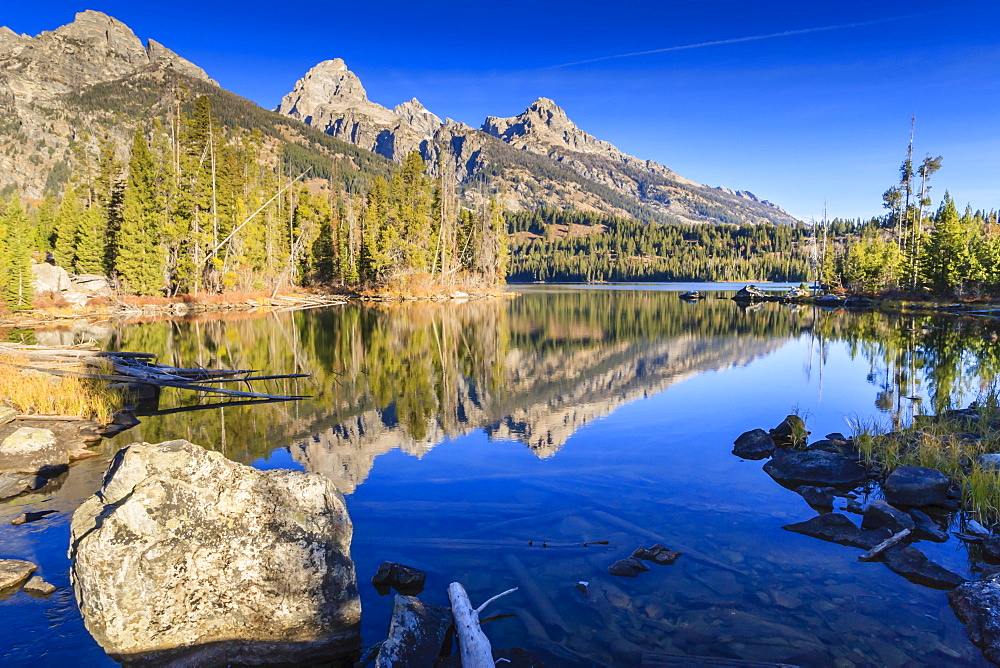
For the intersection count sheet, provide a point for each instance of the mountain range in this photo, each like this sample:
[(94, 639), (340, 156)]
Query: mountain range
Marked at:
[(94, 78)]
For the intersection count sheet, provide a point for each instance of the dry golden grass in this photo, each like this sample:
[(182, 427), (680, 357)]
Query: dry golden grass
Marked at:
[(38, 393)]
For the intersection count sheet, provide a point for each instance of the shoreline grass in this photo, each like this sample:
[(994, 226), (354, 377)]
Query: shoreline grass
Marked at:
[(952, 443), (38, 393)]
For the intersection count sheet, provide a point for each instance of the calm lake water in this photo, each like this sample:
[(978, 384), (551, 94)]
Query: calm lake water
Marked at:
[(460, 432)]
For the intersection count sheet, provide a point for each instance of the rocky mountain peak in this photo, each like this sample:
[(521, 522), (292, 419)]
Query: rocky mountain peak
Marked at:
[(418, 117), (94, 48), (327, 88), (544, 125), (100, 31)]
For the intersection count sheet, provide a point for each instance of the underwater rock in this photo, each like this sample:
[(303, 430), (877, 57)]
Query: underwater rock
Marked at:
[(914, 565), (753, 444), (185, 556), (916, 486), (817, 497), (627, 568), (837, 528), (811, 467), (658, 554)]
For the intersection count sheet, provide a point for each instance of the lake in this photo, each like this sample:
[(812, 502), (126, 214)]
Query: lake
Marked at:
[(486, 442)]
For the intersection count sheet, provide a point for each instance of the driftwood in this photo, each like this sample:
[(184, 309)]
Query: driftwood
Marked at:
[(884, 545), (473, 644), (138, 368)]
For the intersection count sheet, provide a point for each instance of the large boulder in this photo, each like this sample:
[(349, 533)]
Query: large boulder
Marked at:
[(30, 451), (750, 293), (185, 557), (977, 604), (814, 467), (49, 278), (916, 486)]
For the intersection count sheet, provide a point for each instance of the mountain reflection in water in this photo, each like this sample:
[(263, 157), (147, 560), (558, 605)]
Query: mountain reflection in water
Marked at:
[(568, 415)]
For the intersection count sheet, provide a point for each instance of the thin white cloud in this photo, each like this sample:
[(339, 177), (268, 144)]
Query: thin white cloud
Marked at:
[(737, 40)]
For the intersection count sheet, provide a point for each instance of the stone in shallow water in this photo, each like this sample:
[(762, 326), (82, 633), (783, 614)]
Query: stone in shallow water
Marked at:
[(627, 568), (814, 467), (658, 554), (792, 430), (416, 633), (926, 527), (817, 497), (13, 572), (185, 556), (914, 565), (880, 514), (36, 586), (837, 528), (916, 486), (977, 605), (29, 451), (404, 579), (753, 444)]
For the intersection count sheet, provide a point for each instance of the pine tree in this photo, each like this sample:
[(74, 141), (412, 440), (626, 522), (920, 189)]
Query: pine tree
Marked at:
[(139, 257), (91, 242), (67, 221), (16, 279), (946, 257)]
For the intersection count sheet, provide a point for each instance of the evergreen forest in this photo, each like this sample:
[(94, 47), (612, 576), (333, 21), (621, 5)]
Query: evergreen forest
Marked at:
[(198, 207)]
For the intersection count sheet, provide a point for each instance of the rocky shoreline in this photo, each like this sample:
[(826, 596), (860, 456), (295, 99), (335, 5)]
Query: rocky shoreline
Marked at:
[(918, 504)]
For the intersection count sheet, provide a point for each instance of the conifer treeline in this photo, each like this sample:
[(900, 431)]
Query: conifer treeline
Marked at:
[(608, 248), (198, 208)]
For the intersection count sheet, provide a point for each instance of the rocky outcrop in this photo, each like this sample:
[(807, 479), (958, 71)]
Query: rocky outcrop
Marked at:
[(39, 76), (77, 290), (13, 573), (184, 556)]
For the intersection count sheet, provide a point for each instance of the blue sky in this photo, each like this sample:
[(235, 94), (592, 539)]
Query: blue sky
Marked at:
[(797, 102)]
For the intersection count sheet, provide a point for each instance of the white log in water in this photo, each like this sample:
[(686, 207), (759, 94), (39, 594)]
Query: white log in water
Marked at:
[(473, 644)]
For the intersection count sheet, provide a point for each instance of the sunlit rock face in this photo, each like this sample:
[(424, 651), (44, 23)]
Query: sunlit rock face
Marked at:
[(184, 557), (331, 98)]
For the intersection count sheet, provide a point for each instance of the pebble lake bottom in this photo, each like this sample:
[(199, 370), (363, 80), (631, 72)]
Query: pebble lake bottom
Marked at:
[(466, 436)]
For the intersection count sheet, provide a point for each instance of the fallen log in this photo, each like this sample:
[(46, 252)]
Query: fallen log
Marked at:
[(884, 545), (473, 644)]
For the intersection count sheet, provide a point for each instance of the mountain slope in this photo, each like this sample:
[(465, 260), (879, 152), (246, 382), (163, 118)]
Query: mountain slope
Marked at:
[(567, 167), (94, 78)]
